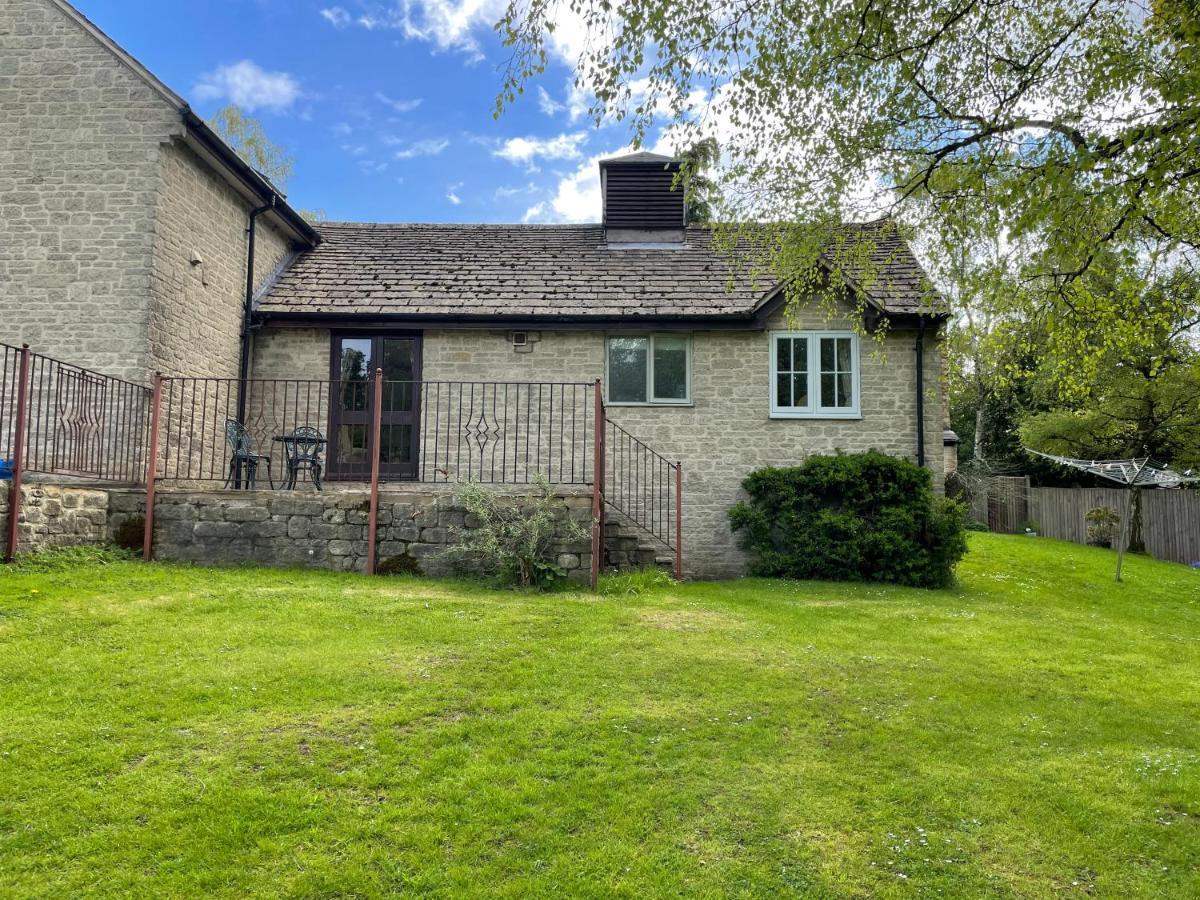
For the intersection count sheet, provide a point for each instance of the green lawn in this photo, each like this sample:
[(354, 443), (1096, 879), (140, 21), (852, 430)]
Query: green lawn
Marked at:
[(173, 731)]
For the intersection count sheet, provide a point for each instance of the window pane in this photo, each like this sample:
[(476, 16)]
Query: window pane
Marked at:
[(396, 444), (800, 355), (352, 444), (783, 354), (845, 389), (354, 366), (628, 367), (783, 390), (670, 368), (827, 354), (398, 358), (800, 389), (843, 354), (828, 390)]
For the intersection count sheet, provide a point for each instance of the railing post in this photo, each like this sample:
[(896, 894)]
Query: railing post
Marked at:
[(14, 490), (597, 482), (376, 431), (152, 467), (679, 521)]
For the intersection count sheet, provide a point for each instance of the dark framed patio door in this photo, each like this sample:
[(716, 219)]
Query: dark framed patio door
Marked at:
[(353, 361)]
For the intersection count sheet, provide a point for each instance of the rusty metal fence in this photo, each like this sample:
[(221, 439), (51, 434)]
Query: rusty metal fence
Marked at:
[(64, 420), (430, 431), (75, 422), (643, 485)]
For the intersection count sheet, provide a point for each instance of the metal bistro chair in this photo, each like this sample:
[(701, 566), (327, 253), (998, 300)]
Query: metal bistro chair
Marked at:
[(303, 447), (244, 457)]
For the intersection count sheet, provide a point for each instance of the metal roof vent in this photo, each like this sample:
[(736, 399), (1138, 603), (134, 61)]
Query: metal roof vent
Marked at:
[(642, 204)]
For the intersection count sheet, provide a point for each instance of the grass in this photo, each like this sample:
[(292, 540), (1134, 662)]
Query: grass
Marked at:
[(170, 731)]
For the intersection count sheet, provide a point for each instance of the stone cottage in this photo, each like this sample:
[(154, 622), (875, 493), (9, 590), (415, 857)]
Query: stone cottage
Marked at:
[(136, 241)]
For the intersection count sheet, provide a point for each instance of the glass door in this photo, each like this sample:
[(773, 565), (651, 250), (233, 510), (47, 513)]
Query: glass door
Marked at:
[(353, 363)]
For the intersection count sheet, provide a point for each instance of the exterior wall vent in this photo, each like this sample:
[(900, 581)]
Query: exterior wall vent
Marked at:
[(641, 201), (523, 341)]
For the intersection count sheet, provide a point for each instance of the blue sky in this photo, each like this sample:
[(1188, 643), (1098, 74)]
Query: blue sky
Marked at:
[(386, 105)]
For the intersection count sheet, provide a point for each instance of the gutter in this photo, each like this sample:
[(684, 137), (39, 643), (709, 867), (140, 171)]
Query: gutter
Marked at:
[(248, 307), (369, 320), (199, 130), (919, 349)]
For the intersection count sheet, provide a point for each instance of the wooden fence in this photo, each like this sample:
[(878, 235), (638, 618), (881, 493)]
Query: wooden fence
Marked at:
[(1170, 518)]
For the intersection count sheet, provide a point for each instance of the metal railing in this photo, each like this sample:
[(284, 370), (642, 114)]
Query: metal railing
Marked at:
[(63, 420), (430, 431), (71, 421), (643, 485)]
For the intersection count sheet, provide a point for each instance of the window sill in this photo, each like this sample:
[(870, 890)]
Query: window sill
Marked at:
[(658, 404), (842, 417)]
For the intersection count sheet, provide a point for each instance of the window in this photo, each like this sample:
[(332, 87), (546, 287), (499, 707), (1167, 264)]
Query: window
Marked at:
[(649, 369), (814, 374)]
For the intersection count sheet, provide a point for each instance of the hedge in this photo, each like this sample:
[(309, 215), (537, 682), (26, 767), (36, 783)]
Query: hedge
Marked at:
[(850, 517)]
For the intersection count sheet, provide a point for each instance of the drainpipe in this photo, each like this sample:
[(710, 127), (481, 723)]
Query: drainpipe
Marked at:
[(248, 309), (919, 348)]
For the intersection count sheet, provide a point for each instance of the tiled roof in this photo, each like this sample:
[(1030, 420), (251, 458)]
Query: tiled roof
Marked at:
[(540, 270)]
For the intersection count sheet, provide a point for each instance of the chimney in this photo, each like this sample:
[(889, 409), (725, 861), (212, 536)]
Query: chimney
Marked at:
[(640, 206)]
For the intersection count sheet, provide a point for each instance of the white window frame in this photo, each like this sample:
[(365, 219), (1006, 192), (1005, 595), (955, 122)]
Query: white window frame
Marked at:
[(650, 401), (814, 410)]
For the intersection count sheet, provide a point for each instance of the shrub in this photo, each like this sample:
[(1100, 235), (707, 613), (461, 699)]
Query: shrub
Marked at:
[(850, 517), (514, 534), (1102, 522)]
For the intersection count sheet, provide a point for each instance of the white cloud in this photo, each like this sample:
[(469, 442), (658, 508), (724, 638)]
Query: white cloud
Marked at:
[(548, 104), (505, 191), (428, 147), (336, 16), (525, 150), (249, 86), (342, 129), (400, 106), (451, 194), (576, 196), (456, 25)]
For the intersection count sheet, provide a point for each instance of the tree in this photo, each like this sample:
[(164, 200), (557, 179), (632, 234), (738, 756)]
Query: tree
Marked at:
[(702, 193), (249, 140), (1078, 121)]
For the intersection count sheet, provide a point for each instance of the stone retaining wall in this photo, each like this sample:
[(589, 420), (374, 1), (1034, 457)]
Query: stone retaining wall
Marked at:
[(325, 530), (55, 515)]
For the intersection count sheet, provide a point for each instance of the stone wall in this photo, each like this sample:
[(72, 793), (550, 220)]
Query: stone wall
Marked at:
[(325, 530), (102, 209), (723, 435), (79, 175), (54, 515), (196, 313)]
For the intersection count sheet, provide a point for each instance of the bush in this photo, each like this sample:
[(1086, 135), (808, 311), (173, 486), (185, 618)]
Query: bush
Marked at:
[(850, 517), (514, 534), (1102, 522)]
